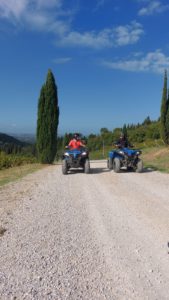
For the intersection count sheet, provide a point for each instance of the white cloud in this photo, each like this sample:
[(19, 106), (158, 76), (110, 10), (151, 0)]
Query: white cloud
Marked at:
[(153, 7), (118, 36), (35, 14), (154, 62), (50, 16), (128, 34), (62, 60), (88, 39), (12, 8), (49, 3)]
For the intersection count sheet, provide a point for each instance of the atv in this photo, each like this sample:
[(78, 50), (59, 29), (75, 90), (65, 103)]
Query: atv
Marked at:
[(125, 158), (76, 158)]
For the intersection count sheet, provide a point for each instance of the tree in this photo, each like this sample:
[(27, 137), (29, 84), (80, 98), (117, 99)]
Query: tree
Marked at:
[(147, 121), (164, 103), (124, 130), (167, 121), (66, 139), (47, 122), (103, 130)]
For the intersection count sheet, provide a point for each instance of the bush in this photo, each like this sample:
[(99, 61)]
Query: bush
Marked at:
[(8, 161)]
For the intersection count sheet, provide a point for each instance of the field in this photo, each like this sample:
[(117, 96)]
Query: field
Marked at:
[(157, 158)]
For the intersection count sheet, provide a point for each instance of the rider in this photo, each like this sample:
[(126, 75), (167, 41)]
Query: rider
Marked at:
[(123, 141), (76, 142)]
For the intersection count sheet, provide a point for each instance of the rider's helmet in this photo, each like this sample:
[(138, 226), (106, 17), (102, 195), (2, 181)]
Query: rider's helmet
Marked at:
[(76, 136)]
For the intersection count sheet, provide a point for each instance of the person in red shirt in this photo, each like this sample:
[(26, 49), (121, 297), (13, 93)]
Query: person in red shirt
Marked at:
[(76, 143)]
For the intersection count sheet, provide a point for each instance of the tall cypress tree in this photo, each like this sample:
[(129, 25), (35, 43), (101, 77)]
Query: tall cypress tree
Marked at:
[(164, 110), (124, 130), (167, 121), (48, 119)]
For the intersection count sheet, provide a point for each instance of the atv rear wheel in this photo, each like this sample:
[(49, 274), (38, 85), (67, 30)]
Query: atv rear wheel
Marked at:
[(64, 167), (87, 166), (116, 165), (110, 163), (139, 166)]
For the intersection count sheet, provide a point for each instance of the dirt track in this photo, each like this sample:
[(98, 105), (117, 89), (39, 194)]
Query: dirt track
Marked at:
[(78, 236)]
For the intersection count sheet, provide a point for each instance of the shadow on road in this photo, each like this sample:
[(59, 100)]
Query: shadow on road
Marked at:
[(92, 171), (99, 170), (145, 170), (148, 170)]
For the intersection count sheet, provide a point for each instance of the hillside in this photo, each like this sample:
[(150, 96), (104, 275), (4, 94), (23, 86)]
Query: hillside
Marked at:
[(25, 137), (7, 139)]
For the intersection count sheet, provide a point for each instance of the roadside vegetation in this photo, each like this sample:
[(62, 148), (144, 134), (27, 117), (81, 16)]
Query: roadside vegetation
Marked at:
[(157, 158), (14, 160), (15, 173)]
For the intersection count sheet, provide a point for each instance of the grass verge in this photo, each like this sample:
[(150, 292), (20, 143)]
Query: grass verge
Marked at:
[(156, 158), (15, 173)]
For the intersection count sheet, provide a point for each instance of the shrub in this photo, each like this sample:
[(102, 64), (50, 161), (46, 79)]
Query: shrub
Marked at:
[(8, 161)]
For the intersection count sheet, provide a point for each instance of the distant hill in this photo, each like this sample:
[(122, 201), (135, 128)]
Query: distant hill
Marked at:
[(25, 137), (6, 139)]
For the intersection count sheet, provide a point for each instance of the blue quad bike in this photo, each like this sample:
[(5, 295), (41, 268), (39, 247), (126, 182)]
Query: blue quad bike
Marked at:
[(125, 158), (75, 159)]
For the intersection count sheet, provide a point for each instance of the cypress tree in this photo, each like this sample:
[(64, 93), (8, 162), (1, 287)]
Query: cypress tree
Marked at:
[(48, 119), (164, 110), (167, 121), (124, 130)]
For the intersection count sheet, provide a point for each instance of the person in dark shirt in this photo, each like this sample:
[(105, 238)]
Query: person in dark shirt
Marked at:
[(123, 142)]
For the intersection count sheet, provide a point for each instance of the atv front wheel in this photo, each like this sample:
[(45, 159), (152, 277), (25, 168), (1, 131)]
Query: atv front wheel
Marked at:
[(64, 167), (87, 166), (139, 166), (116, 165), (110, 163)]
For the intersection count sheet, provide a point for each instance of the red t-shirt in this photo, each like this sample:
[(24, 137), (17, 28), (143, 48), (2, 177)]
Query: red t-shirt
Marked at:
[(74, 144)]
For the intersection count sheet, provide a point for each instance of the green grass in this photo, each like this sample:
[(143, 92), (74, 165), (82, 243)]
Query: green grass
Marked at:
[(157, 158), (15, 173)]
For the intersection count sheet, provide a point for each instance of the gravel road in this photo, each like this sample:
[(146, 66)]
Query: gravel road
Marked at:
[(85, 236)]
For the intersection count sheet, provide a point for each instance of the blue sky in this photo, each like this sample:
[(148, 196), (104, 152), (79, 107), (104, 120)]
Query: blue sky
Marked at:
[(108, 58)]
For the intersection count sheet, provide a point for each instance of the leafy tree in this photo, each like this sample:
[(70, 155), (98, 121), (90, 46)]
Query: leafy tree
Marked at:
[(164, 103), (147, 121), (48, 119), (116, 134), (103, 130)]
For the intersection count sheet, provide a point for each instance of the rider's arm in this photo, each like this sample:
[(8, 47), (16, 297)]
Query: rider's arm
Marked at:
[(70, 144)]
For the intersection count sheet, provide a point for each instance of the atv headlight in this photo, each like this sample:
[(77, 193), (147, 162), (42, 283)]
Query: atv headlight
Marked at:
[(67, 153), (84, 153), (121, 152), (138, 152)]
